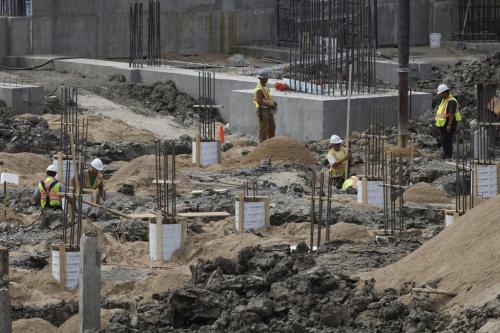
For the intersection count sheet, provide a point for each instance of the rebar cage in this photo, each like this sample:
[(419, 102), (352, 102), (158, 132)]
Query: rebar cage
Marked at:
[(326, 37), (479, 20)]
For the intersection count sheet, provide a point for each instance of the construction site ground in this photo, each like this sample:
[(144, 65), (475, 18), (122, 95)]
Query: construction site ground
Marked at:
[(221, 280)]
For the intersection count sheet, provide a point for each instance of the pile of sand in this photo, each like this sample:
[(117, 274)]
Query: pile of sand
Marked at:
[(280, 148), (34, 325), (351, 232), (463, 258), (140, 173), (72, 324), (103, 129), (29, 167), (426, 193)]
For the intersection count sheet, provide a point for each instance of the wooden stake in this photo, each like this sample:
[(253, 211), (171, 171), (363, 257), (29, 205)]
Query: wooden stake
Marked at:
[(268, 213), (364, 183), (241, 213), (197, 158), (62, 265), (159, 236), (348, 127), (60, 165)]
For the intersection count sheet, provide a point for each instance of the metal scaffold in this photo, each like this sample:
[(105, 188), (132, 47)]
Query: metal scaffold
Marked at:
[(326, 37)]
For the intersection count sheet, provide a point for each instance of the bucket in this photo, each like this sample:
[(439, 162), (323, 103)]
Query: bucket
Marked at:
[(449, 220), (435, 40)]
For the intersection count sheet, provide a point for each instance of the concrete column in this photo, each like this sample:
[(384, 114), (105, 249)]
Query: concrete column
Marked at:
[(4, 263), (90, 284)]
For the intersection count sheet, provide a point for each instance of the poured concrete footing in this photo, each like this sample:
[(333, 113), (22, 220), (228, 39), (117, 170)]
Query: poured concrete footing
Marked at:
[(22, 98), (311, 117)]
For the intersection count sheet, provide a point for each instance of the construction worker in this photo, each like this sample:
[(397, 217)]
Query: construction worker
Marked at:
[(93, 179), (337, 157), (447, 118), (265, 107), (48, 191)]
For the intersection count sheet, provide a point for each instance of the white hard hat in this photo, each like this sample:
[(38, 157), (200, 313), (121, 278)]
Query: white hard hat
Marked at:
[(97, 164), (264, 74), (442, 88), (52, 168), (335, 140)]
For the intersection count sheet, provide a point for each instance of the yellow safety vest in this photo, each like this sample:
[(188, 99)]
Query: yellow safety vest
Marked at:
[(441, 114), (351, 182), (49, 190), (265, 90), (338, 155), (97, 181)]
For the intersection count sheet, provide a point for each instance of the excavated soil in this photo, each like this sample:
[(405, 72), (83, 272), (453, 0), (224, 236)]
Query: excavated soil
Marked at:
[(463, 259), (34, 325), (29, 167), (280, 148), (140, 173), (426, 193), (104, 129)]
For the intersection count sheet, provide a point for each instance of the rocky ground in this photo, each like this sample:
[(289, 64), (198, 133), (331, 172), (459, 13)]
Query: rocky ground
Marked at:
[(263, 281)]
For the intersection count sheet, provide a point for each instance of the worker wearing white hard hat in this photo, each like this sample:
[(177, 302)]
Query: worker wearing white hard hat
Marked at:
[(447, 118), (93, 179), (265, 107), (48, 191), (337, 157)]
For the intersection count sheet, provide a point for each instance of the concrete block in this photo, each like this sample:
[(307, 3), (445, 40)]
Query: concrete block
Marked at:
[(22, 98), (309, 117), (5, 311), (387, 71), (4, 263), (90, 284)]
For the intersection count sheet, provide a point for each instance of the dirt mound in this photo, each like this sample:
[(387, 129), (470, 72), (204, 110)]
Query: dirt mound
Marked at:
[(34, 325), (426, 193), (280, 148), (140, 173), (72, 324), (104, 129), (463, 258), (352, 232), (29, 167)]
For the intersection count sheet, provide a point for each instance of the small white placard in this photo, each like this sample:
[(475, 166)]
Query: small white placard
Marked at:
[(254, 215), (9, 178), (172, 240), (375, 195), (209, 153), (487, 182), (72, 268)]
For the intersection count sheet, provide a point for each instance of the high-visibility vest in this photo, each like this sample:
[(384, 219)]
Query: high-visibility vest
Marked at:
[(49, 190), (338, 155), (441, 114), (265, 90), (97, 181), (351, 182)]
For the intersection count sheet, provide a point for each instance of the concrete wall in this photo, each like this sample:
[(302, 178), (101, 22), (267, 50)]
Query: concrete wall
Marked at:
[(422, 22), (4, 37), (99, 28)]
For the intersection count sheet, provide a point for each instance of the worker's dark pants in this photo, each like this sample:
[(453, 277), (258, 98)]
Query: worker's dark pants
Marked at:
[(267, 126), (446, 142), (337, 182)]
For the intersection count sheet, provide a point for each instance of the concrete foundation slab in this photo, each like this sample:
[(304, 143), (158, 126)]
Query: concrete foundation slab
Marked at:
[(300, 116), (310, 117), (22, 98)]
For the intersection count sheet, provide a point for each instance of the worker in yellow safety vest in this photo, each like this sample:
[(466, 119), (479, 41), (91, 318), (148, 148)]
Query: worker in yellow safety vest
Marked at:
[(265, 107), (48, 191), (93, 179), (447, 118), (337, 157)]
